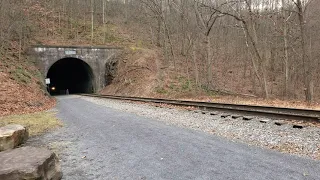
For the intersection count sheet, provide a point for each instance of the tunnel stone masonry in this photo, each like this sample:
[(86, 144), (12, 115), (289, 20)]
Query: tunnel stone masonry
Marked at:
[(94, 60)]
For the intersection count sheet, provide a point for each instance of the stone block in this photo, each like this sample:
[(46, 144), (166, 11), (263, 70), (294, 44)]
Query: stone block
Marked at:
[(12, 136), (29, 163)]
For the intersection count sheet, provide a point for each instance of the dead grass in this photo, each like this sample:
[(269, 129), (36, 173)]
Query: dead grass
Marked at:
[(37, 123)]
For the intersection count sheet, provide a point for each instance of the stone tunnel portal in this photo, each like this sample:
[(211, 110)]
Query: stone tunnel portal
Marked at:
[(70, 75)]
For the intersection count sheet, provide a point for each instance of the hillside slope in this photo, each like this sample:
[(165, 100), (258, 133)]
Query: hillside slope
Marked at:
[(147, 68), (21, 91)]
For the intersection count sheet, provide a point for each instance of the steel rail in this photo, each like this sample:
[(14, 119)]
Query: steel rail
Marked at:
[(279, 112)]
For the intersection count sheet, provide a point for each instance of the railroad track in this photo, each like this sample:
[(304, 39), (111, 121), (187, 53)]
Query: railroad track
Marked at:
[(268, 111)]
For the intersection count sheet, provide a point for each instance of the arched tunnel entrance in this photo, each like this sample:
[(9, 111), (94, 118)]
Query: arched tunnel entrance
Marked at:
[(70, 75)]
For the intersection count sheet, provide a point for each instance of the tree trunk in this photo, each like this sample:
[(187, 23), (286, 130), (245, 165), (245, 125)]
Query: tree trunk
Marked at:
[(209, 62), (194, 57), (159, 32), (286, 54), (305, 59), (92, 1), (262, 80), (126, 11), (104, 21)]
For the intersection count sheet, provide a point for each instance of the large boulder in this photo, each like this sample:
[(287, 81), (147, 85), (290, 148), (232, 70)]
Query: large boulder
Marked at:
[(29, 163), (12, 136)]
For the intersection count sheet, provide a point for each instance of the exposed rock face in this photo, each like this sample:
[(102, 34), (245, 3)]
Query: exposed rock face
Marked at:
[(12, 136), (29, 163)]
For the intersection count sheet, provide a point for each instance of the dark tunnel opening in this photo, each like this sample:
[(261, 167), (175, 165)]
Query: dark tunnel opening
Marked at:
[(70, 76)]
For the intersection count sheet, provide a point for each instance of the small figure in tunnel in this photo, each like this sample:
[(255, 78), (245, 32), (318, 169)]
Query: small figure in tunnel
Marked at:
[(67, 92)]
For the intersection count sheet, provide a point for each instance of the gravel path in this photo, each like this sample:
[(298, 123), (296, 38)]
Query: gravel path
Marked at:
[(107, 139), (303, 142)]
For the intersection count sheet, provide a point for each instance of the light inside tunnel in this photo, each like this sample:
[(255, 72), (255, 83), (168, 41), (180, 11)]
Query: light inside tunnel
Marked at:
[(70, 76)]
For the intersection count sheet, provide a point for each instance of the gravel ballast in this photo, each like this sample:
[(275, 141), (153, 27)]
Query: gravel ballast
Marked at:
[(259, 131)]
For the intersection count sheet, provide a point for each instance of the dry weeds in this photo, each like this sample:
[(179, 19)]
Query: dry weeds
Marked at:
[(18, 98), (37, 123)]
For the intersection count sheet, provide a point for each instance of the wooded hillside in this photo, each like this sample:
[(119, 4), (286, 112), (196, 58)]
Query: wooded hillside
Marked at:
[(261, 48)]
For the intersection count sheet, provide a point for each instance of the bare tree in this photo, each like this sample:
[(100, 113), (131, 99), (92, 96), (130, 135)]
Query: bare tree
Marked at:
[(301, 9), (206, 20)]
